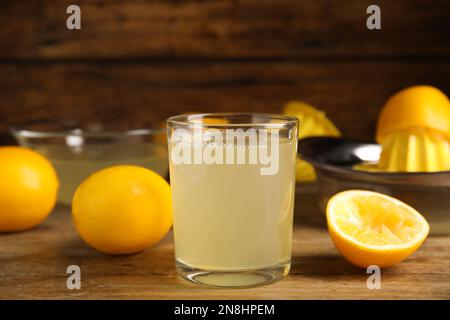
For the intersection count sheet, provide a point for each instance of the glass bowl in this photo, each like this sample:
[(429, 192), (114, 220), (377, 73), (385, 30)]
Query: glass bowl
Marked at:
[(334, 158), (77, 150)]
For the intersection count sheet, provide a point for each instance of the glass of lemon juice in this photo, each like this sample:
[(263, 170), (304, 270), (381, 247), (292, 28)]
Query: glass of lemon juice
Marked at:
[(233, 184)]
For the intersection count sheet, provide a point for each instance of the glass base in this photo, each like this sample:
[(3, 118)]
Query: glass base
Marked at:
[(233, 279)]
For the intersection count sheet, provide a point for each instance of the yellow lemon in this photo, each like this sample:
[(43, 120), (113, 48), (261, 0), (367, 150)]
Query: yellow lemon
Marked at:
[(415, 107), (122, 209), (28, 188), (370, 228), (313, 123)]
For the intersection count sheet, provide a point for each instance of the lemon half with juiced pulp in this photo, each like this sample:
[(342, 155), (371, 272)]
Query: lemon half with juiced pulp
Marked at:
[(370, 228)]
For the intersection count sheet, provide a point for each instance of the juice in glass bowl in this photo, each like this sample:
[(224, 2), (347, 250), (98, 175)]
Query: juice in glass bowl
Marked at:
[(76, 151)]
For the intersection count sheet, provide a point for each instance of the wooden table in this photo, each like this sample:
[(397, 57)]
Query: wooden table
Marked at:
[(33, 265)]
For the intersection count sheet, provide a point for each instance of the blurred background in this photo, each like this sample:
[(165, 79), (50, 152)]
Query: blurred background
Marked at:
[(137, 60)]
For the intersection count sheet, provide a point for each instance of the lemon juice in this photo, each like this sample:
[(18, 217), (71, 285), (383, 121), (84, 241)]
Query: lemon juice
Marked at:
[(230, 217), (74, 165)]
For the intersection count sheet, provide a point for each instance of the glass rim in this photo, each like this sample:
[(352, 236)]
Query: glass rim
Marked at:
[(187, 120), (25, 130)]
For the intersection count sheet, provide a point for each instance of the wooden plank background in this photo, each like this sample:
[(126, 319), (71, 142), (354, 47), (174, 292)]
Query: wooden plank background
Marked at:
[(139, 60)]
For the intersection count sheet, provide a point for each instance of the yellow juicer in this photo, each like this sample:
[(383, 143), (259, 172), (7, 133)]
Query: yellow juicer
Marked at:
[(418, 150)]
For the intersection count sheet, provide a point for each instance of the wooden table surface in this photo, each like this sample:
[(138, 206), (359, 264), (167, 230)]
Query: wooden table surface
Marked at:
[(33, 265)]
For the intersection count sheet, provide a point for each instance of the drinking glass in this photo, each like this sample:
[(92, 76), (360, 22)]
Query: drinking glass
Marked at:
[(232, 177)]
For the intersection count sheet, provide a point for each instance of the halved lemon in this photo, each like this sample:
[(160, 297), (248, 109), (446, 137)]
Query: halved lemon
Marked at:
[(370, 228)]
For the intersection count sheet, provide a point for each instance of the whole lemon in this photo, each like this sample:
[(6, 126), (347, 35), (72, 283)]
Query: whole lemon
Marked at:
[(122, 209), (28, 188)]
